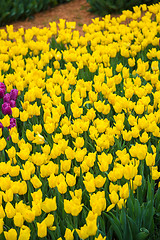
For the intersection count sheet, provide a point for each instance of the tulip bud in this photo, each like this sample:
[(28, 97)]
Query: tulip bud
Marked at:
[(6, 108), (42, 229), (2, 92), (11, 234), (6, 98), (14, 94), (12, 103)]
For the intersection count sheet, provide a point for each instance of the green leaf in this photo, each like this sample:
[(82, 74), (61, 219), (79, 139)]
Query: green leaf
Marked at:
[(150, 191), (116, 225), (148, 215), (129, 234), (130, 208), (157, 198), (101, 225), (138, 212), (133, 226), (143, 234), (123, 221)]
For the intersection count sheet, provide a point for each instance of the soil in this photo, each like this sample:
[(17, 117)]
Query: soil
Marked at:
[(75, 10)]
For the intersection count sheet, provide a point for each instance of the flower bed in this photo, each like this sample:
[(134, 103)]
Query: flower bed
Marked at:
[(79, 132)]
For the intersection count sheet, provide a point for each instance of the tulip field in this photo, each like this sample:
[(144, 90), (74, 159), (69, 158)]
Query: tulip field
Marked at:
[(80, 129)]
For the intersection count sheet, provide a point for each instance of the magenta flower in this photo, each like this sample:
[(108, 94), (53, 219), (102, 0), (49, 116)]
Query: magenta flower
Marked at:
[(2, 85), (1, 125), (14, 94), (2, 89), (2, 92), (6, 98), (12, 123), (6, 108), (12, 103)]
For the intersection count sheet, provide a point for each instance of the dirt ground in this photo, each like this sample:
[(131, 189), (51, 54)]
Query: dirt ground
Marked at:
[(75, 10)]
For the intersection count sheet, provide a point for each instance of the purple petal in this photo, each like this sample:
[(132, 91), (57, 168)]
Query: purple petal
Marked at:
[(6, 109), (6, 98), (14, 94)]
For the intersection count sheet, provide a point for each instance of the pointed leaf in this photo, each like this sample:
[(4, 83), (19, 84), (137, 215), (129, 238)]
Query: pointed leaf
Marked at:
[(133, 226), (116, 225)]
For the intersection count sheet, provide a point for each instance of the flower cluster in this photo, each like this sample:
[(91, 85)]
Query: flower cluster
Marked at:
[(88, 124), (9, 99), (9, 102)]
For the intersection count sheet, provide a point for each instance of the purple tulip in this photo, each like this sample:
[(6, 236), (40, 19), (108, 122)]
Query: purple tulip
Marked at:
[(1, 125), (2, 85), (2, 92), (2, 89), (12, 103), (6, 98), (12, 123), (6, 109), (14, 94)]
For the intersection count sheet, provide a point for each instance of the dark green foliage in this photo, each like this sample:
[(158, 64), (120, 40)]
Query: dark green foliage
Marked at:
[(12, 10), (103, 7)]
